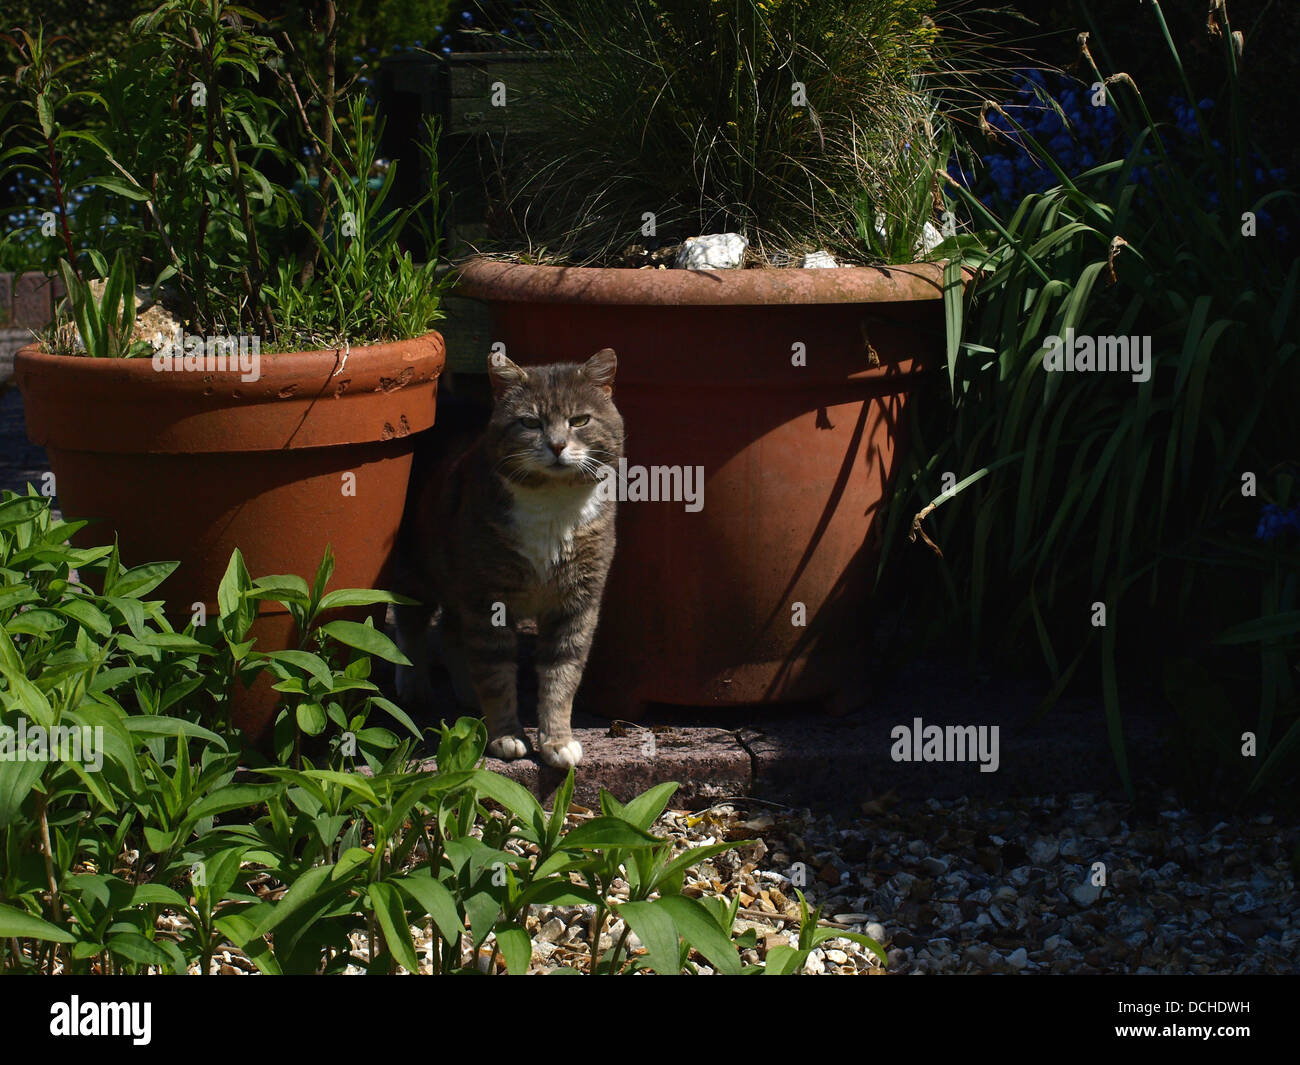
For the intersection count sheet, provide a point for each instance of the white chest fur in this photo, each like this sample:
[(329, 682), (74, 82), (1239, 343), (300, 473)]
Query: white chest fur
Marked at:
[(546, 520)]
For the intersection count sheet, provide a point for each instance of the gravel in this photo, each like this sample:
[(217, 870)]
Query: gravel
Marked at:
[(1052, 884)]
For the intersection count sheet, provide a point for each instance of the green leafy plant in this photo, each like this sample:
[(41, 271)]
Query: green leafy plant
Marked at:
[(361, 284), (103, 675), (248, 209), (325, 679), (105, 324), (157, 842), (903, 218)]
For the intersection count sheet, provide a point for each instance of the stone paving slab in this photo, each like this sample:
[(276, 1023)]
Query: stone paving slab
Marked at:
[(804, 760), (709, 764)]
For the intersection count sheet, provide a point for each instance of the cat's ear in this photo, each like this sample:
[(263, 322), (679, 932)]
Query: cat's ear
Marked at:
[(504, 374), (599, 369)]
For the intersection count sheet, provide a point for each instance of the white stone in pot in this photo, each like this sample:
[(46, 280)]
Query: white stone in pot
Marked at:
[(931, 238), (818, 260), (716, 251)]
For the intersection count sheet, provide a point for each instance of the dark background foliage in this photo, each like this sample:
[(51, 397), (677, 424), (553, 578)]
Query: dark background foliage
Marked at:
[(1123, 38)]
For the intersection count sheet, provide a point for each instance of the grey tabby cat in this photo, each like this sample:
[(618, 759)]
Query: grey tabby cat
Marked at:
[(514, 527)]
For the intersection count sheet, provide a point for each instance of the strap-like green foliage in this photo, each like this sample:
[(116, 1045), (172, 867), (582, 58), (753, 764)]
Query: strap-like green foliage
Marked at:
[(762, 118), (104, 324), (1080, 488)]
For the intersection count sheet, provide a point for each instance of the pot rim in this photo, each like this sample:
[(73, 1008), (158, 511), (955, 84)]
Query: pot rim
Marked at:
[(510, 282), (282, 364), (72, 402)]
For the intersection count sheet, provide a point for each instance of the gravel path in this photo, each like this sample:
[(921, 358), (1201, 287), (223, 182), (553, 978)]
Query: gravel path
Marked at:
[(1004, 887), (962, 886)]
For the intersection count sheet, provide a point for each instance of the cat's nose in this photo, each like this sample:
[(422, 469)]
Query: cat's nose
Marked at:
[(557, 446)]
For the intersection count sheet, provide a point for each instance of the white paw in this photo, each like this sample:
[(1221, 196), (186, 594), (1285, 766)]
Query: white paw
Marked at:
[(507, 748), (562, 755)]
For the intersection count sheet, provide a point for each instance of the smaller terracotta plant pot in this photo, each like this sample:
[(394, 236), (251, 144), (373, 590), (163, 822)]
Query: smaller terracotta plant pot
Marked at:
[(189, 465)]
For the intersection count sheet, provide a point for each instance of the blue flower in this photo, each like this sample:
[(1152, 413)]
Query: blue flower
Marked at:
[(1275, 522)]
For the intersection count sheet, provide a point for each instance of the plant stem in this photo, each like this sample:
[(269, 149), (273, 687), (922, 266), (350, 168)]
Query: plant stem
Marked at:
[(597, 927), (618, 947), (63, 206), (56, 903)]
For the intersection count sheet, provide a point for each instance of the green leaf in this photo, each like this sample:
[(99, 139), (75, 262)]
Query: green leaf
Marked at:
[(689, 858), (314, 665), (301, 892), (482, 909), (45, 114), (232, 797), (696, 926), (87, 615), (344, 597), (654, 926), (392, 710), (16, 782), (28, 696), (436, 901), (157, 725), (237, 612), (156, 895), (121, 186), (140, 580), (136, 948), (349, 860), (16, 923), (607, 832), (645, 809), (323, 574), (311, 718), (240, 929), (784, 961), (557, 892), (513, 796), (286, 587), (175, 641), (21, 510), (516, 949), (1261, 630), (392, 920), (364, 638), (354, 782)]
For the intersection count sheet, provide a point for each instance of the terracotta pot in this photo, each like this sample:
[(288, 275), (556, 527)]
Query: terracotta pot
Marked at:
[(761, 595), (189, 465)]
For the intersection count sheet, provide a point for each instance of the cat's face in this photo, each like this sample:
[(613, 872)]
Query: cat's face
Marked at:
[(554, 424)]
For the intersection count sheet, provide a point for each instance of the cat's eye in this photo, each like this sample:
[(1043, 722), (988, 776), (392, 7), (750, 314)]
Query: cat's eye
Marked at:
[(531, 423), (579, 420)]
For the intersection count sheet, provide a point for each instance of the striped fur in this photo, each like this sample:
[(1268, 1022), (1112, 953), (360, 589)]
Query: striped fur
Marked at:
[(511, 527)]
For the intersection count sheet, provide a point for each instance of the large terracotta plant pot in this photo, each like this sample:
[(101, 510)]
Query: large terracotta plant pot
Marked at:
[(189, 465), (762, 594)]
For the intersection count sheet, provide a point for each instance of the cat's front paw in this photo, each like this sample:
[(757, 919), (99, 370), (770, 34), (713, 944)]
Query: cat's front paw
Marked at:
[(561, 754), (507, 748)]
